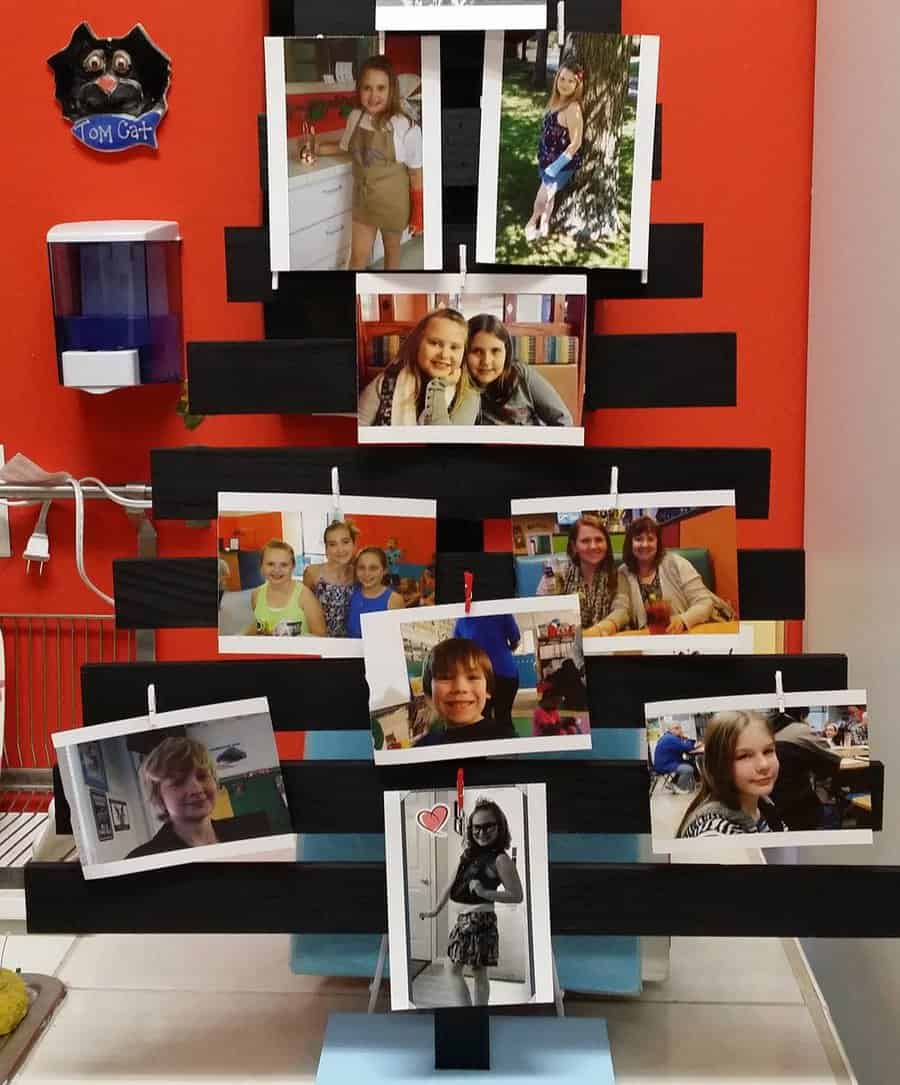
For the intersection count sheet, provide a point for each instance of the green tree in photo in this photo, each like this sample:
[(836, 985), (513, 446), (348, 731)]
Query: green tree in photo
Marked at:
[(590, 225)]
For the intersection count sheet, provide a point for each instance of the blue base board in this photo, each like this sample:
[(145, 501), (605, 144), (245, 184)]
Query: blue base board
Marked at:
[(389, 1048)]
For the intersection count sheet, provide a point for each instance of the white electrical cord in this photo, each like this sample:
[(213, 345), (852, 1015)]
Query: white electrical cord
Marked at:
[(127, 502), (79, 541)]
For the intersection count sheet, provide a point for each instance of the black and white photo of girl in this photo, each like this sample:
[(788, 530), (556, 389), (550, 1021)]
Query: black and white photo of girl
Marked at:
[(474, 886)]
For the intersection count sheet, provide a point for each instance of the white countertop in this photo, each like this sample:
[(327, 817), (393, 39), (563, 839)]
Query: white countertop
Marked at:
[(303, 173)]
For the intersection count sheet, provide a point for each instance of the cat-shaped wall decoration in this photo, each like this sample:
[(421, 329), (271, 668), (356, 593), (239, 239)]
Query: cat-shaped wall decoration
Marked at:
[(112, 89)]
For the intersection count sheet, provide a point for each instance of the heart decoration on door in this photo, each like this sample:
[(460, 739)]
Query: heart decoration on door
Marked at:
[(433, 820)]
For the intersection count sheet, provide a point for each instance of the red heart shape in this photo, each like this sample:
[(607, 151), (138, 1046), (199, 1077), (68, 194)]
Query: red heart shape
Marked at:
[(432, 820)]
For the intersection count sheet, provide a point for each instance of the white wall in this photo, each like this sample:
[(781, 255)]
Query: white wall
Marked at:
[(852, 515)]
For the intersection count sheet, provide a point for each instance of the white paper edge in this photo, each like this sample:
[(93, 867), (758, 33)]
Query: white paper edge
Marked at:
[(480, 748), (709, 847), (396, 894), (642, 174), (471, 435), (667, 643), (432, 191), (539, 888), (653, 709), (650, 499), (234, 849), (276, 149), (523, 605), (178, 717), (314, 647), (480, 282), (503, 16), (489, 154), (236, 501)]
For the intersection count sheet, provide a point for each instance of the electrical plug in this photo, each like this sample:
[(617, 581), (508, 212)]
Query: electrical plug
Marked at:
[(38, 546)]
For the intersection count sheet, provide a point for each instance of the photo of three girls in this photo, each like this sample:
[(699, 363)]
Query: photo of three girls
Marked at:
[(317, 576), (485, 360)]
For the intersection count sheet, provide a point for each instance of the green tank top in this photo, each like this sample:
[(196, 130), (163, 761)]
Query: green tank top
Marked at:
[(268, 618)]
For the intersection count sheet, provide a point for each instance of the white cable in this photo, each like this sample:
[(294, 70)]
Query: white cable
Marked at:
[(79, 541), (127, 502)]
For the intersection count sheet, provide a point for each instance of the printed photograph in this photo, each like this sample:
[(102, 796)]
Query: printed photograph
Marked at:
[(651, 570), (298, 571), (197, 785), (751, 772), (500, 362), (508, 677), (354, 152), (567, 149), (468, 897), (460, 14)]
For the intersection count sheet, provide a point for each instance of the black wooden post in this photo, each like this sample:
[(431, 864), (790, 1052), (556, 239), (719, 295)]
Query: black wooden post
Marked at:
[(462, 1039)]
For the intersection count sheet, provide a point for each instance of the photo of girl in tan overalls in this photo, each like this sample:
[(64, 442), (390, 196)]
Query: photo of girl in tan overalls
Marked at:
[(386, 148)]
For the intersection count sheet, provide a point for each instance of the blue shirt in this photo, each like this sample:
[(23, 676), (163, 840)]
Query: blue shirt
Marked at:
[(667, 755), (497, 634), (360, 604)]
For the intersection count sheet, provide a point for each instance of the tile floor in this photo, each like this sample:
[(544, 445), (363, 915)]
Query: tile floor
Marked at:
[(166, 1009)]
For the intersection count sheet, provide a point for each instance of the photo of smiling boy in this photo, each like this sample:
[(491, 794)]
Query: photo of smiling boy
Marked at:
[(458, 682)]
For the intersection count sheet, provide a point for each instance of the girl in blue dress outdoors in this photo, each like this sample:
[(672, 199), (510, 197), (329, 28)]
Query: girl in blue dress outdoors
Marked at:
[(559, 148)]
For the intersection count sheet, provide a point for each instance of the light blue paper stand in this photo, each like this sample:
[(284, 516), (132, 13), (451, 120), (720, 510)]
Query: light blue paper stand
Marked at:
[(399, 1048)]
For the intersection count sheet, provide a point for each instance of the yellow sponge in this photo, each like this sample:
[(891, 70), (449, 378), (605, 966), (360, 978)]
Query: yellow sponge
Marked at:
[(13, 1000)]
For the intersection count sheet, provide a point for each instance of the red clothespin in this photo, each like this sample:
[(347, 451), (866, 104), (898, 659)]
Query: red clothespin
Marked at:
[(468, 580), (460, 788)]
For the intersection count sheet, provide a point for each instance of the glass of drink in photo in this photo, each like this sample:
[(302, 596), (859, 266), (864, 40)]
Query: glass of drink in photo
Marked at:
[(659, 614)]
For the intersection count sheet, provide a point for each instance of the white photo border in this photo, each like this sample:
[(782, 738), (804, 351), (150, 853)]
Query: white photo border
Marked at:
[(489, 149), (276, 150), (728, 845), (348, 504), (537, 850), (282, 843), (642, 172), (477, 283), (509, 16), (383, 641), (660, 643)]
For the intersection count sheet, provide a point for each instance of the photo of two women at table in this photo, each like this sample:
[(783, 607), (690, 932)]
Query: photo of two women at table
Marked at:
[(639, 570), (783, 774)]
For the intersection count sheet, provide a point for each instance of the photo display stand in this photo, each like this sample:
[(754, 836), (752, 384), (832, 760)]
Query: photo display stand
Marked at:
[(461, 1043)]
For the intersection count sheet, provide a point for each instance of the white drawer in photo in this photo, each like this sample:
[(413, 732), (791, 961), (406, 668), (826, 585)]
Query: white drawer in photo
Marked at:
[(320, 241), (329, 196)]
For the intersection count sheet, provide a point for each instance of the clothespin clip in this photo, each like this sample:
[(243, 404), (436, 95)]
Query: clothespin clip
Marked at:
[(779, 692), (459, 818), (336, 513), (151, 704), (561, 24), (274, 280), (468, 580), (614, 486), (462, 269)]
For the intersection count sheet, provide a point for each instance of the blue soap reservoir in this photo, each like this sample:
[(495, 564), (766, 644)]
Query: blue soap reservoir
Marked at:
[(116, 290)]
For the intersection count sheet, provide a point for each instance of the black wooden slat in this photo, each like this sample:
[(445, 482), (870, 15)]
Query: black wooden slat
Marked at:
[(469, 482), (462, 1038), (331, 694), (303, 376), (690, 369), (179, 593), (675, 266), (290, 17), (686, 899), (358, 17), (590, 796), (657, 144), (770, 581)]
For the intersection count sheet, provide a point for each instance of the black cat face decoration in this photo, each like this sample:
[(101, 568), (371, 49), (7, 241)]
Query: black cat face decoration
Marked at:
[(112, 89)]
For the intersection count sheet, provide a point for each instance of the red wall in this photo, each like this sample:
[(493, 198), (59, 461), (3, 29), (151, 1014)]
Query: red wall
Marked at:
[(736, 87)]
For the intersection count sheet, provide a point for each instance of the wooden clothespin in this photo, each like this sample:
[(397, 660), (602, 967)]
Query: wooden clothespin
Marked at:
[(468, 580)]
